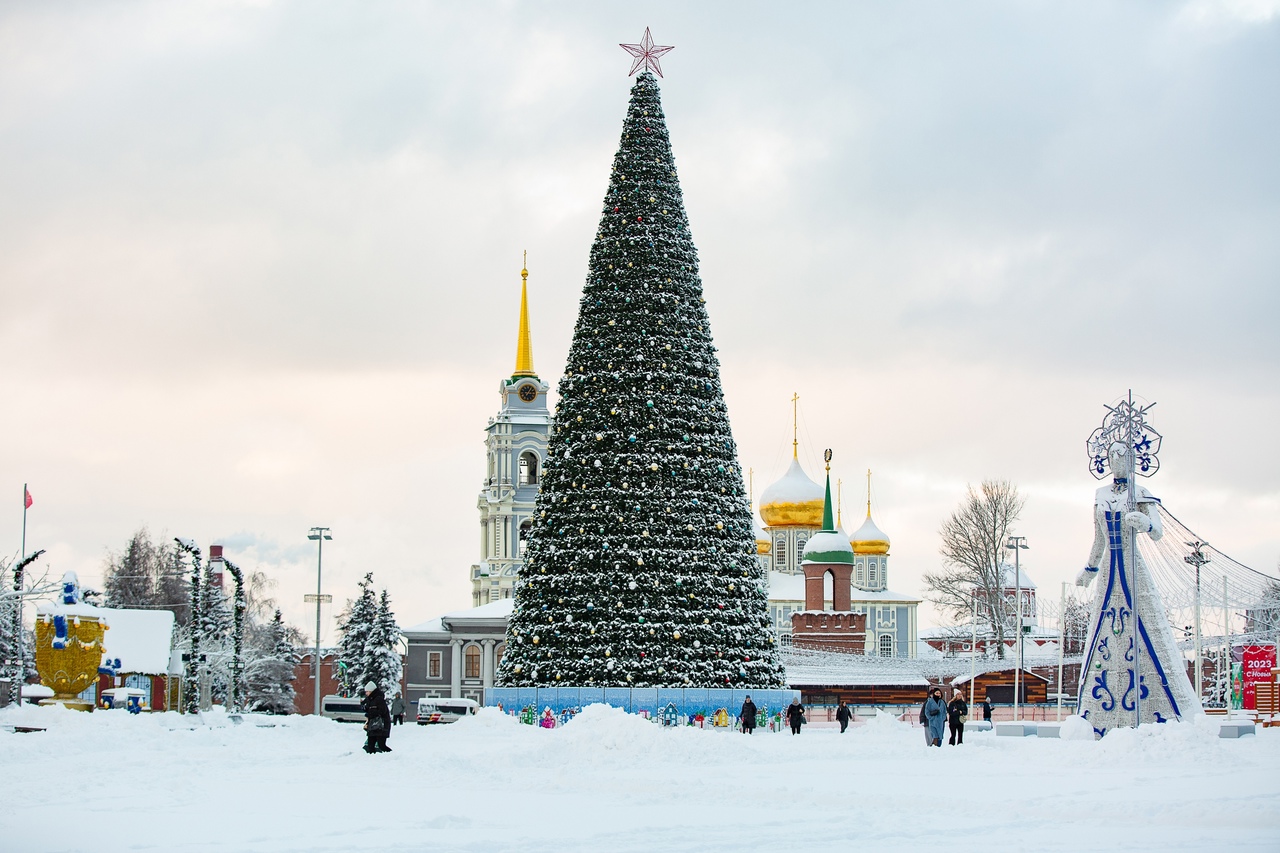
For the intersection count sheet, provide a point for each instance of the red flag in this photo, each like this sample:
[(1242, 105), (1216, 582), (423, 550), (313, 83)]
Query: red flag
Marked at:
[(26, 498)]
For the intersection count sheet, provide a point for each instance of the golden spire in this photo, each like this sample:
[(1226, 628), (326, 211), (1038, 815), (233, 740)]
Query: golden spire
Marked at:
[(751, 485), (868, 493), (524, 346), (795, 428), (839, 502)]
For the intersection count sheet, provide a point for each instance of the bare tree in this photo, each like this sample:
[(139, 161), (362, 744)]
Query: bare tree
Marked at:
[(973, 553)]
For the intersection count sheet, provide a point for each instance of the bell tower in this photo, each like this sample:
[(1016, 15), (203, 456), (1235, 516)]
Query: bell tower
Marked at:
[(515, 450)]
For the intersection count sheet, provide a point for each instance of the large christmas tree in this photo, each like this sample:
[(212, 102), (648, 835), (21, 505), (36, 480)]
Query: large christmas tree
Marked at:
[(640, 566)]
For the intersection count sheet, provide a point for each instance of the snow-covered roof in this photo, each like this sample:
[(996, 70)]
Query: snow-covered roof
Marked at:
[(785, 587), (141, 639), (827, 546), (794, 487), (431, 626), (500, 609), (869, 539), (49, 608), (1027, 583)]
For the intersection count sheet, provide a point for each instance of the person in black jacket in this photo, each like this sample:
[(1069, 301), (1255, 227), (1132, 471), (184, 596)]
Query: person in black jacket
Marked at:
[(986, 708), (843, 716), (957, 713), (377, 719), (795, 716), (748, 717)]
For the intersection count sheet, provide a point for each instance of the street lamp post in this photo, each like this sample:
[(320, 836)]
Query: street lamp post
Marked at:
[(319, 535), (1198, 559), (1017, 544)]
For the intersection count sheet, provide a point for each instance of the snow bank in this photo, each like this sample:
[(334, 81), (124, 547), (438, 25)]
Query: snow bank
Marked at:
[(609, 780)]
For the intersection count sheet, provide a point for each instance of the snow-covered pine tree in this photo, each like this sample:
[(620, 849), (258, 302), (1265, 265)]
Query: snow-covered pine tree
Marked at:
[(215, 638), (385, 667), (129, 579), (640, 568), (356, 627), (269, 677)]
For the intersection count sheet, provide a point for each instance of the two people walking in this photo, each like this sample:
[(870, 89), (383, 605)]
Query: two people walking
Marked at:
[(937, 713)]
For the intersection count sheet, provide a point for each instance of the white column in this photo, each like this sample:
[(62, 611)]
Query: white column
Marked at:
[(486, 664), (455, 669)]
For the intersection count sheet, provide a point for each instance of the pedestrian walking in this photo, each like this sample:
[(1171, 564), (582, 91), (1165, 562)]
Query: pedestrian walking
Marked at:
[(843, 716), (748, 717), (377, 719), (935, 714), (397, 711), (957, 716), (795, 716), (986, 709)]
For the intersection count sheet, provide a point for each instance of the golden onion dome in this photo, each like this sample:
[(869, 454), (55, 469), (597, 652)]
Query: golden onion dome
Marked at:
[(869, 539), (793, 501)]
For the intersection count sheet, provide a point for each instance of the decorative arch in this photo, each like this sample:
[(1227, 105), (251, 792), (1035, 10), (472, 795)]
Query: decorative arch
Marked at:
[(471, 657)]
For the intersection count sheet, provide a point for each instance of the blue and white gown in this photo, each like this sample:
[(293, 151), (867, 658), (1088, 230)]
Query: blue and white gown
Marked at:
[(1107, 674)]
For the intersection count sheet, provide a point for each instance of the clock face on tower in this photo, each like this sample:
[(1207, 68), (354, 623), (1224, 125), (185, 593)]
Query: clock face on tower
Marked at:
[(528, 393)]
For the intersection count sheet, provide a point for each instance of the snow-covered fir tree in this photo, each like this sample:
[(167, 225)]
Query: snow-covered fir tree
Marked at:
[(640, 567), (269, 676), (382, 650), (356, 626)]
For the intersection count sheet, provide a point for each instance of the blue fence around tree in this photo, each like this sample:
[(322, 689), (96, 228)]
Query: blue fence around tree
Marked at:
[(649, 701)]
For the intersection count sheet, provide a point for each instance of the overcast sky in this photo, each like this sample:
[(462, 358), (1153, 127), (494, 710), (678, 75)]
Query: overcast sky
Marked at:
[(259, 262)]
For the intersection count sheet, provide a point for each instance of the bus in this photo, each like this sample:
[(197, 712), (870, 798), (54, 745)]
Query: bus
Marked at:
[(432, 710)]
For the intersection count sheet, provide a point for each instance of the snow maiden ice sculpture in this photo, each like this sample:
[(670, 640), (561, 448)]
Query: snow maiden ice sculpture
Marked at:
[(1128, 644)]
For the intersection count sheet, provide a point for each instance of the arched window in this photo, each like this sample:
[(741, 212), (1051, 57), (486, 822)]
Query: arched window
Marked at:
[(528, 468), (780, 552), (828, 587), (871, 576), (472, 666), (886, 645), (497, 654), (525, 527)]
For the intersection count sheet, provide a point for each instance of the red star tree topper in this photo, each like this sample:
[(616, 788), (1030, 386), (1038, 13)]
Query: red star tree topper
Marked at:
[(646, 54)]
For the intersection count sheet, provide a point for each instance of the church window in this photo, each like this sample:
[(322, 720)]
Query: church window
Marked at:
[(886, 645), (472, 669), (528, 469), (780, 552)]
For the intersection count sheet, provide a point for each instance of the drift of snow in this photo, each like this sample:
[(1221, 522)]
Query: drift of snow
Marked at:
[(612, 781)]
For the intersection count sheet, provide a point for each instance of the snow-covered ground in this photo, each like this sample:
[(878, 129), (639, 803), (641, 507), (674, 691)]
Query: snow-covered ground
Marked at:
[(607, 781)]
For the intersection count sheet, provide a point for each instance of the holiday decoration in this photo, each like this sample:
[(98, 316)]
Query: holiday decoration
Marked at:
[(69, 646), (646, 54), (640, 561), (1133, 671)]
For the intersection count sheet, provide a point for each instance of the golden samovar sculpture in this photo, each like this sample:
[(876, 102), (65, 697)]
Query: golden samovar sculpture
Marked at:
[(69, 646)]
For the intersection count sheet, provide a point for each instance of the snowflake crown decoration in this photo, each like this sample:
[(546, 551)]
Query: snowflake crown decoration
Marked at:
[(1125, 422)]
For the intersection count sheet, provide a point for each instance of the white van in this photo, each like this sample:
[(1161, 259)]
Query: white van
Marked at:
[(444, 710), (343, 709)]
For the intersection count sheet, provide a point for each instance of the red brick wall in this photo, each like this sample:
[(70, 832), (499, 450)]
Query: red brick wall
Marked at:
[(304, 701)]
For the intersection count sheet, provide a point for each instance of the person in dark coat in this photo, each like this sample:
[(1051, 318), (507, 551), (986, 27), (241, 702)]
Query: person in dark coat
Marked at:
[(795, 716), (986, 708), (377, 719), (748, 717), (957, 713), (843, 716), (397, 711), (935, 714)]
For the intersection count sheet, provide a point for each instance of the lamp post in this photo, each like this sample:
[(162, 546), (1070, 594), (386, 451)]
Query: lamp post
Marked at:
[(1197, 559), (1017, 544), (319, 535)]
